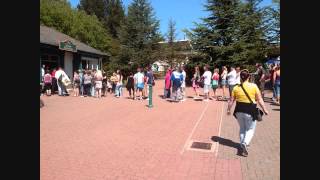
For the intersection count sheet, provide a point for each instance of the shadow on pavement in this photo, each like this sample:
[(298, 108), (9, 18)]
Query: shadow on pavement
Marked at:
[(227, 142)]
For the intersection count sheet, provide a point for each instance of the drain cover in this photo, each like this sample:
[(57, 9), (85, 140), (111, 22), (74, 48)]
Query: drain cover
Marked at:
[(201, 145)]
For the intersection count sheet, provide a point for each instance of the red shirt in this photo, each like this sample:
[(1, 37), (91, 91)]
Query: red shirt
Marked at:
[(53, 73), (215, 77)]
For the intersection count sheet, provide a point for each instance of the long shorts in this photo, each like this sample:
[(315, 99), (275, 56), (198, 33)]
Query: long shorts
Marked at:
[(140, 86), (206, 88)]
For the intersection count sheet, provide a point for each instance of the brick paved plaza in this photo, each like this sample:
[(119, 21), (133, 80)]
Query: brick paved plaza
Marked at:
[(110, 138)]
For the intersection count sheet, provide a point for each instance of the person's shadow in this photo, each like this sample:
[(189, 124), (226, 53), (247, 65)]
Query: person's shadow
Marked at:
[(227, 142)]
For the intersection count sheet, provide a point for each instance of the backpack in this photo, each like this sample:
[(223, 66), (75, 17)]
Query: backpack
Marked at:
[(176, 81)]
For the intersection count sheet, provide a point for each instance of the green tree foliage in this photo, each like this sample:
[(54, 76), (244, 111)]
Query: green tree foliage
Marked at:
[(232, 34), (140, 35), (93, 7), (109, 12), (75, 23), (171, 37)]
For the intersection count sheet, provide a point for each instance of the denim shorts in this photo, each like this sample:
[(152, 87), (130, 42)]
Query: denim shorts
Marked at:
[(140, 86), (223, 82)]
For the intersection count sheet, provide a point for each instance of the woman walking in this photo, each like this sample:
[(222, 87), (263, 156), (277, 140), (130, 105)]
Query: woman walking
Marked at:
[(224, 81), (244, 110), (195, 81), (215, 82)]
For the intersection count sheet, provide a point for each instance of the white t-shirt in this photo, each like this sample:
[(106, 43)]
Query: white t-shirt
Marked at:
[(64, 75), (238, 78), (139, 78), (207, 77), (184, 74), (232, 77)]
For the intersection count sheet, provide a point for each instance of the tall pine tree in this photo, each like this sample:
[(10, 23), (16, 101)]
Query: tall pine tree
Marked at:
[(140, 35), (215, 35), (171, 37), (233, 33)]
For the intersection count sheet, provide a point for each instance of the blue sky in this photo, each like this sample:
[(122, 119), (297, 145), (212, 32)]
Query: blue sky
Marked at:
[(184, 12)]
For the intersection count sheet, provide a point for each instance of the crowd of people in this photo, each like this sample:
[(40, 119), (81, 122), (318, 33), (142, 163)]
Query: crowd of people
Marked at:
[(95, 83), (175, 82)]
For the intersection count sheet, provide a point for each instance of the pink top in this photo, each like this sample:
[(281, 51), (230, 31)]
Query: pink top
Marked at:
[(215, 76), (167, 80)]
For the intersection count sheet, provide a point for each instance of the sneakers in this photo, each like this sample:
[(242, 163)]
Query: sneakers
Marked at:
[(244, 150)]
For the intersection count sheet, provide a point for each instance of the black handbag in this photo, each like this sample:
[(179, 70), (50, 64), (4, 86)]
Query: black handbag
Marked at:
[(257, 113)]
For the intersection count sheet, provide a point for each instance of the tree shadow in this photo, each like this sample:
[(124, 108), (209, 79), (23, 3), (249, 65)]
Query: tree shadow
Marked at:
[(227, 142)]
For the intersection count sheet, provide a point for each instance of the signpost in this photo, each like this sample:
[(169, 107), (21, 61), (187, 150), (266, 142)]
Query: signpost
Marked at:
[(150, 96), (67, 45)]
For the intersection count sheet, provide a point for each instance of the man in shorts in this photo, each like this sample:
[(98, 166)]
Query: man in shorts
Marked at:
[(139, 82), (176, 79), (206, 82)]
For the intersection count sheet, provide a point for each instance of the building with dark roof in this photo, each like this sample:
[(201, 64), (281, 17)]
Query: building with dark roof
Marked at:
[(58, 49)]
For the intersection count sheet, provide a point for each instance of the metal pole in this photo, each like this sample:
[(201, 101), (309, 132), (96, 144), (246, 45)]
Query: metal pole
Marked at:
[(150, 96)]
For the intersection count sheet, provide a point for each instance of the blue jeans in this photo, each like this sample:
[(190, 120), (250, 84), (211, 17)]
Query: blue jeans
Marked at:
[(92, 90), (247, 127), (277, 89), (81, 89), (167, 93), (119, 90), (61, 88)]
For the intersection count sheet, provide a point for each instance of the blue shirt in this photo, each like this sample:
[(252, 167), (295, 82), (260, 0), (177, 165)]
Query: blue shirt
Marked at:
[(150, 77)]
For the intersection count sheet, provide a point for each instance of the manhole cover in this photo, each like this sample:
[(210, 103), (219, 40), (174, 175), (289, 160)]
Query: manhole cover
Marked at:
[(201, 145)]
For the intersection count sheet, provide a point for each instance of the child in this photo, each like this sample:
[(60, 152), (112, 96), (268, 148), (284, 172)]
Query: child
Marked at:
[(47, 79)]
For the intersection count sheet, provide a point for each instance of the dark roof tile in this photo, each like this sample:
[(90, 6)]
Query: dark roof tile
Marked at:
[(53, 37)]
